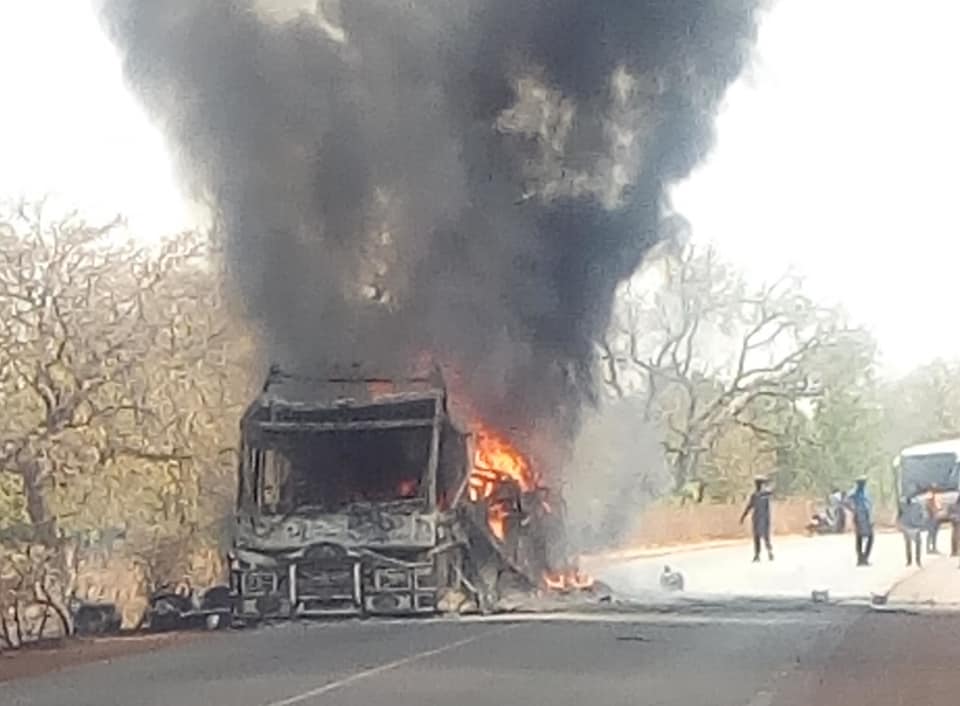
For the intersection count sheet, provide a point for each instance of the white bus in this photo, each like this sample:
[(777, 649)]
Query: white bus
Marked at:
[(926, 467)]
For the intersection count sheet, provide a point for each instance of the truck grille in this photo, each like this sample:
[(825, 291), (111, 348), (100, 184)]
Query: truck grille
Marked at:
[(401, 590), (319, 581), (392, 579), (325, 588)]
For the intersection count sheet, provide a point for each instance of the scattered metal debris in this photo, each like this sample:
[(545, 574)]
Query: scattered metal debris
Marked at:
[(91, 619), (171, 610), (671, 580)]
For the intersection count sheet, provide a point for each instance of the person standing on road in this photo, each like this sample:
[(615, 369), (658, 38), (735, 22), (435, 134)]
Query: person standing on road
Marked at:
[(911, 518), (759, 506), (933, 520), (862, 509), (837, 511), (953, 514)]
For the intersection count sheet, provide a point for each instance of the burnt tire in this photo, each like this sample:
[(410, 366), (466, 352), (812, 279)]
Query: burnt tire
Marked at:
[(217, 598), (166, 612)]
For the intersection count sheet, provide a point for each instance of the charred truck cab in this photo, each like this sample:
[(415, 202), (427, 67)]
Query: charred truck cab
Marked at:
[(350, 498)]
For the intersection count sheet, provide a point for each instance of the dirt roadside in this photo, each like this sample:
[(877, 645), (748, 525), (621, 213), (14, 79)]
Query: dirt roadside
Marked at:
[(936, 587), (36, 660)]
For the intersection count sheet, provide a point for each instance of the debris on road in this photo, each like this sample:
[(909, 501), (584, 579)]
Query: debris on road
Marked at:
[(91, 619), (671, 580), (170, 610)]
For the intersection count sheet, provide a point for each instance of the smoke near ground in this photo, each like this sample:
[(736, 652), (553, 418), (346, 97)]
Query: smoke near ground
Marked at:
[(616, 469), (465, 178)]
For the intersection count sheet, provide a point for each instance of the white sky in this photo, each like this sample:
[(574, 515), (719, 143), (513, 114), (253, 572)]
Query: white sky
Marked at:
[(837, 154), (69, 129)]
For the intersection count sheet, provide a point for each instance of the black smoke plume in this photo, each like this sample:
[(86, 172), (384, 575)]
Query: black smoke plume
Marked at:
[(465, 178)]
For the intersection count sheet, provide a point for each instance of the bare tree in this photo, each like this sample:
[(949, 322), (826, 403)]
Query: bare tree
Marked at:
[(706, 350), (122, 374), (108, 352), (65, 333)]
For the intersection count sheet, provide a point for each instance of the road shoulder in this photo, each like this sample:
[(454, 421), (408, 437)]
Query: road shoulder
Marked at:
[(936, 586), (883, 659), (36, 661)]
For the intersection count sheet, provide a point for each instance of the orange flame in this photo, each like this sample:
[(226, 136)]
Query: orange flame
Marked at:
[(494, 454), (495, 462), (570, 580), (408, 488)]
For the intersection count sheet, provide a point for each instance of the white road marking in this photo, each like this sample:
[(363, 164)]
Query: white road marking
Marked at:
[(373, 671)]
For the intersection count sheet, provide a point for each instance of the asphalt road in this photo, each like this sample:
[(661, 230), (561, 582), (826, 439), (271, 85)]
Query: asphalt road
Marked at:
[(801, 565), (742, 653), (682, 660)]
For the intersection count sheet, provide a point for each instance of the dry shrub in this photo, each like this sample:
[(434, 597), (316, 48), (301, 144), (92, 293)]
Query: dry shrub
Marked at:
[(126, 573), (668, 524), (36, 581)]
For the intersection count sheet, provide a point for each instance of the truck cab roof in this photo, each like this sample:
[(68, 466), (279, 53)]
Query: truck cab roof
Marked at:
[(348, 386)]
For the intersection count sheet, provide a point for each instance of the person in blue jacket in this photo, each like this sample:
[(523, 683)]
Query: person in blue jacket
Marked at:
[(862, 509)]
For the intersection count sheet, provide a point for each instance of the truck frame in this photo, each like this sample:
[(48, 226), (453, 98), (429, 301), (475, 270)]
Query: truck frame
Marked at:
[(353, 500)]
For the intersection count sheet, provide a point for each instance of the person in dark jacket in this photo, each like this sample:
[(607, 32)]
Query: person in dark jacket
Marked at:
[(933, 519), (759, 507), (912, 520), (953, 513), (862, 509)]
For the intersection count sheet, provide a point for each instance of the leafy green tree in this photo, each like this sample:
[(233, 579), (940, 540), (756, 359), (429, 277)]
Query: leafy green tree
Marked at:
[(840, 434), (923, 405)]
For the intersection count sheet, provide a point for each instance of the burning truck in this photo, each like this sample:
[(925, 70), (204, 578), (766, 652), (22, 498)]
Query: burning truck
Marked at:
[(359, 494)]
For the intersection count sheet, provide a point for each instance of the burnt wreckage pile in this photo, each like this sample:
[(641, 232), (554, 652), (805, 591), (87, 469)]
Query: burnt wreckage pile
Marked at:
[(360, 495)]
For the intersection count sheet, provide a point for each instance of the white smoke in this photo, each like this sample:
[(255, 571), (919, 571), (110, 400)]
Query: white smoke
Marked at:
[(617, 469)]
